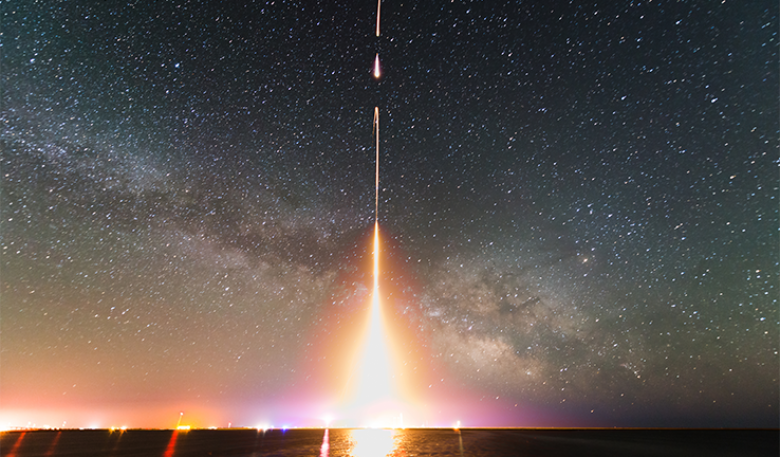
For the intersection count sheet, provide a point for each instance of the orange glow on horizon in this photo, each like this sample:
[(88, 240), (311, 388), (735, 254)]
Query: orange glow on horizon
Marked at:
[(146, 415)]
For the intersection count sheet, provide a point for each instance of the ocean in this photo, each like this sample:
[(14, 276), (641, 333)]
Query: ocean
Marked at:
[(381, 443)]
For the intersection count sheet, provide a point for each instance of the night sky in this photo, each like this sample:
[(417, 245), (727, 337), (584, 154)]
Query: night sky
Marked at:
[(579, 208)]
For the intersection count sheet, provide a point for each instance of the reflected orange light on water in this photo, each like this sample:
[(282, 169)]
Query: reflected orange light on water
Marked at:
[(18, 443), (53, 445), (171, 444), (372, 443)]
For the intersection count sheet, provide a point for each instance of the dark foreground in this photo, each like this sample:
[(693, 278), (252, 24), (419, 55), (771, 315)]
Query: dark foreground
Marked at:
[(380, 443)]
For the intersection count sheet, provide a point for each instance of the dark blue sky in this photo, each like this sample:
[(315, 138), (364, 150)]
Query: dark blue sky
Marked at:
[(581, 199)]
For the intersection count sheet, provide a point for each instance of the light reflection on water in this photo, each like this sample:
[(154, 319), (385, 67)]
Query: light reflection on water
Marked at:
[(373, 442), (393, 443), (325, 448)]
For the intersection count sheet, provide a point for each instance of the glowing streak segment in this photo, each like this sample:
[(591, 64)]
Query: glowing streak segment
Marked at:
[(375, 298), (376, 200), (377, 70), (378, 13)]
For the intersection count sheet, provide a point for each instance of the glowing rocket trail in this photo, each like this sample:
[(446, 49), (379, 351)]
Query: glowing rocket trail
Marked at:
[(377, 73), (376, 134), (375, 396), (375, 297), (376, 209), (375, 380), (378, 12), (376, 184)]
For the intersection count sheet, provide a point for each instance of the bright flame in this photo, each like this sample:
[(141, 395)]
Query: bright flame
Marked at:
[(375, 399), (377, 72)]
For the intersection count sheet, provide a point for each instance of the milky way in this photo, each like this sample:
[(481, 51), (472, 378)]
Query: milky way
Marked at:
[(581, 199)]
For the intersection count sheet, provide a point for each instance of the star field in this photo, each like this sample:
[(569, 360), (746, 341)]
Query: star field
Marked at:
[(580, 200)]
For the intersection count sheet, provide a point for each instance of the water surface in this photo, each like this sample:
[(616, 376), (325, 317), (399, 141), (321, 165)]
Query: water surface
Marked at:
[(381, 443)]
